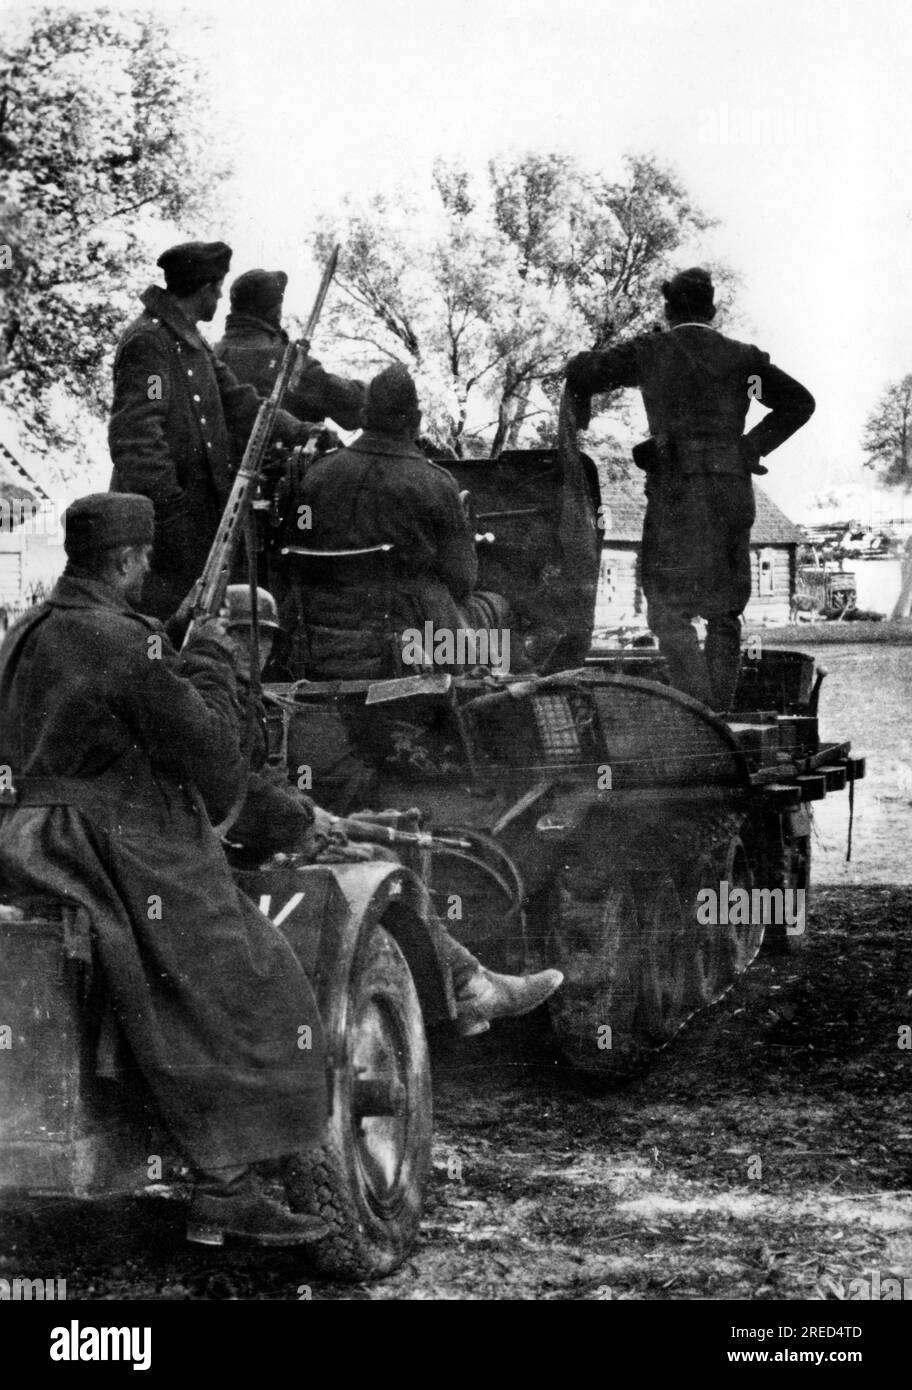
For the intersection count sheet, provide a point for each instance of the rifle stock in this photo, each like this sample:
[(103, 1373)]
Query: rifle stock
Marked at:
[(214, 579)]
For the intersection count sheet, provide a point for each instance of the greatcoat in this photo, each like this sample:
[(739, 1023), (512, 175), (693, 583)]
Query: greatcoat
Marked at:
[(382, 489), (178, 427), (141, 743)]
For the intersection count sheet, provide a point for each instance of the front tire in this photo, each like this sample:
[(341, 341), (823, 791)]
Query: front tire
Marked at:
[(368, 1177)]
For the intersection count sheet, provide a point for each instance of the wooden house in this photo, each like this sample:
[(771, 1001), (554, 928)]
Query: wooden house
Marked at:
[(620, 603)]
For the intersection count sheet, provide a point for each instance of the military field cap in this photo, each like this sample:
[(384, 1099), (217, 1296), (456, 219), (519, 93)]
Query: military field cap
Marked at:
[(691, 290), (237, 603), (391, 394), (104, 520), (193, 264), (258, 291)]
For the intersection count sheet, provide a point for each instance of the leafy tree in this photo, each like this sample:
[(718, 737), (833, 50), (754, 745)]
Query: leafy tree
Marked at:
[(485, 290), (103, 137), (887, 439)]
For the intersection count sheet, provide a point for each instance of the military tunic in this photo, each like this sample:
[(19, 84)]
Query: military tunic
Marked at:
[(253, 348), (206, 991), (697, 386), (178, 426)]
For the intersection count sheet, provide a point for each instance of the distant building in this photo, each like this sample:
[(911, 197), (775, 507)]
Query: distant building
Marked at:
[(620, 603), (31, 553)]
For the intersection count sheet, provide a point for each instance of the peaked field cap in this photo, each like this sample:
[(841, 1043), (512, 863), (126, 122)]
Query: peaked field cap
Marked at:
[(193, 264), (391, 392), (258, 290), (692, 286), (107, 519)]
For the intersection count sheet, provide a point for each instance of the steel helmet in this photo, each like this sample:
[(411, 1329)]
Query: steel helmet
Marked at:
[(237, 603)]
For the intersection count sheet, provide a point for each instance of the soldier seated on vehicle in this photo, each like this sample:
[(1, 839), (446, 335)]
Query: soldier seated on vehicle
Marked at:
[(255, 341), (121, 749), (275, 817), (383, 491)]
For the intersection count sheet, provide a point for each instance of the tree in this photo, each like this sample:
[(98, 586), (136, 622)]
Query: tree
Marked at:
[(486, 287), (887, 439), (103, 135)]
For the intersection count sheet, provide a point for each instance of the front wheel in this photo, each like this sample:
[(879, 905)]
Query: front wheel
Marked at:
[(368, 1177)]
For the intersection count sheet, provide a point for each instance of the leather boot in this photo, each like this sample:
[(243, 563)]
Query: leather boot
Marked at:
[(241, 1208), (485, 996)]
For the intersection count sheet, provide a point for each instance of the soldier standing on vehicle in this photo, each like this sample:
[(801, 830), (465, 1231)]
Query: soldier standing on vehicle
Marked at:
[(253, 345), (697, 386), (275, 817), (121, 750), (180, 418)]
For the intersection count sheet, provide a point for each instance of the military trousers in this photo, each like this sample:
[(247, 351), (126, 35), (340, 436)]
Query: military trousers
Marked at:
[(696, 563)]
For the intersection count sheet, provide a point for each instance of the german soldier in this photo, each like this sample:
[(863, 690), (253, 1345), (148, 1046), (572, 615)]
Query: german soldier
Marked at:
[(176, 411), (382, 490), (255, 341), (697, 386), (121, 751)]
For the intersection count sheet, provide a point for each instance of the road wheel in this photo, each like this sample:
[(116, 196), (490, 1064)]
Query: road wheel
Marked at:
[(663, 959), (368, 1177), (740, 941), (702, 942), (596, 944), (788, 866)]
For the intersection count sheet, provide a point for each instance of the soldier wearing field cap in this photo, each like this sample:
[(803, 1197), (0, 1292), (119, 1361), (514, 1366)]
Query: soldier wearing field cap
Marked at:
[(180, 418), (381, 490), (122, 752), (697, 386), (255, 341)]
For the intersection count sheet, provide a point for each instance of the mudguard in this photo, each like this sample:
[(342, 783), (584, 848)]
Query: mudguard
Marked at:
[(323, 908)]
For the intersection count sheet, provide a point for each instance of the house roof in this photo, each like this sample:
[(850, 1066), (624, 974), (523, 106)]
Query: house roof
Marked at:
[(12, 488), (772, 526), (625, 505)]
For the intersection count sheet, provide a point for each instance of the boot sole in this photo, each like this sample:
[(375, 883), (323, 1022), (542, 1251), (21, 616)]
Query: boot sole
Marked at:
[(202, 1234)]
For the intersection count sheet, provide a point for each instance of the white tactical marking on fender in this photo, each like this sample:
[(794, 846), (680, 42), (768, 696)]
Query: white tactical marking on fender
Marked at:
[(289, 908)]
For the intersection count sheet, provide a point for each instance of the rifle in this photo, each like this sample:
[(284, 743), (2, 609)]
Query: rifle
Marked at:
[(214, 579)]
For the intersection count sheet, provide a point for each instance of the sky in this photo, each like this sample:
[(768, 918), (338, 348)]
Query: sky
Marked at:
[(788, 121)]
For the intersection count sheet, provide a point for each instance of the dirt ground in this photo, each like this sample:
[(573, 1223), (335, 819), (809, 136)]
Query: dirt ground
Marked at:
[(766, 1155)]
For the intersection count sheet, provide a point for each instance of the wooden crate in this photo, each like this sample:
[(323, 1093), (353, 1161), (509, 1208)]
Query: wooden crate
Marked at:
[(57, 1136)]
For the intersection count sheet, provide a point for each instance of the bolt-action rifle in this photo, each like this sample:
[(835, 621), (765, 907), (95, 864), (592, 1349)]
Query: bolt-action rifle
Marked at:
[(214, 579)]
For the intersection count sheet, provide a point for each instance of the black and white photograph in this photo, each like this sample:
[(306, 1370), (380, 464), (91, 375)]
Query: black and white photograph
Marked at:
[(456, 620)]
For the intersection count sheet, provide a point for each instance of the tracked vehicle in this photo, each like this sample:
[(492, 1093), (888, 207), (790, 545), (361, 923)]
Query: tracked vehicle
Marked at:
[(615, 827), (588, 809)]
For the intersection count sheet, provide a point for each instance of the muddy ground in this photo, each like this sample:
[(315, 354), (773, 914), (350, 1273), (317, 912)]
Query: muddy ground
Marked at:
[(768, 1155)]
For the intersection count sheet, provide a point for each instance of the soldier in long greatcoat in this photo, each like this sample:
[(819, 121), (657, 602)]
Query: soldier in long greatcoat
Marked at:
[(697, 386), (180, 419), (121, 751)]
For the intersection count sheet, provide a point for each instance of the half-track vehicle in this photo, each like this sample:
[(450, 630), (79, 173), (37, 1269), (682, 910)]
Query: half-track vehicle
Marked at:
[(604, 813), (585, 804)]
